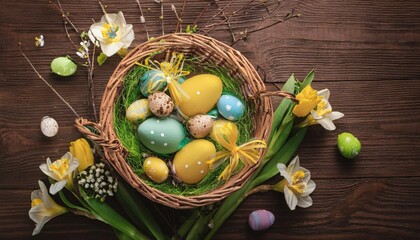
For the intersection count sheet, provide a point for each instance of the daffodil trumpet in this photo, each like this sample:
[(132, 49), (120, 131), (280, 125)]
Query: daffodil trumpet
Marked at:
[(248, 153), (172, 71)]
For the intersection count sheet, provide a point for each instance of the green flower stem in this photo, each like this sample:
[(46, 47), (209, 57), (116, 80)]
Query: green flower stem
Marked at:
[(201, 226), (138, 212), (187, 225), (120, 235), (108, 215), (264, 173)]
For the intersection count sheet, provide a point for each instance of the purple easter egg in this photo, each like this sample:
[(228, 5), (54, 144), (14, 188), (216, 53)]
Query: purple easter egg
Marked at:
[(261, 220)]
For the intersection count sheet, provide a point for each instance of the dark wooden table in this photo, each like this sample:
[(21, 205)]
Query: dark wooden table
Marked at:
[(366, 52)]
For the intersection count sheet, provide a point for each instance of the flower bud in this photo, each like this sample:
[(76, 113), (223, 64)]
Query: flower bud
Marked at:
[(81, 150)]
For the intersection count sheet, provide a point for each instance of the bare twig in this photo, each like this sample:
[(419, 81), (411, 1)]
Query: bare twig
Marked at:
[(64, 15), (142, 19), (217, 14), (90, 60), (179, 23), (45, 81), (247, 33), (270, 14), (161, 17), (179, 20), (201, 13), (227, 21), (102, 7)]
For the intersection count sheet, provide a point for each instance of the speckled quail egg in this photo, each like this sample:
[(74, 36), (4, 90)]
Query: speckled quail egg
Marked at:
[(49, 126), (160, 104), (200, 125)]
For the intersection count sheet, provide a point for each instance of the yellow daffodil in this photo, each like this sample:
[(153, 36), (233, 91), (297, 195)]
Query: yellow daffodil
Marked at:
[(61, 171), (112, 33), (308, 99), (323, 113), (43, 208), (296, 184), (81, 150)]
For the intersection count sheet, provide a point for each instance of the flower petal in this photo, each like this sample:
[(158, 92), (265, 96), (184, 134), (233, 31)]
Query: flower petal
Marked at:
[(290, 198), (326, 123), (283, 172), (56, 187), (112, 48), (45, 169), (310, 187), (324, 93), (120, 20), (307, 176), (36, 194), (304, 202), (335, 115), (294, 165), (95, 32)]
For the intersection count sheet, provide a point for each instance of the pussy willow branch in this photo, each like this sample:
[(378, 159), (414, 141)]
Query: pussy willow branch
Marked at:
[(143, 22), (269, 13), (45, 81), (90, 60), (201, 13), (227, 21), (179, 23), (176, 15), (161, 17), (247, 33), (217, 14)]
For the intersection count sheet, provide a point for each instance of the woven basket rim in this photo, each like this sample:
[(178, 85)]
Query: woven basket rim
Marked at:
[(208, 49)]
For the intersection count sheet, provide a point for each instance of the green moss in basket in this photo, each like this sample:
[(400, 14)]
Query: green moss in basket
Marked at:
[(127, 133)]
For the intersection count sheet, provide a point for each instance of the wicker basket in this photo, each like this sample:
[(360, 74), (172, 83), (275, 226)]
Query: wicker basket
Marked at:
[(208, 50)]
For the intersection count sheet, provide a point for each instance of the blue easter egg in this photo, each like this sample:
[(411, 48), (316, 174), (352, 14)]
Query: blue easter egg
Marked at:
[(261, 220), (152, 81), (230, 107), (162, 136)]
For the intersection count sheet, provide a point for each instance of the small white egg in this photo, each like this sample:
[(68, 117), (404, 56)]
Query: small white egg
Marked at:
[(49, 126)]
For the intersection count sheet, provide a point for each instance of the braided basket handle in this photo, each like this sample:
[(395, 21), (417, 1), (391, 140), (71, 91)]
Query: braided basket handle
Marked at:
[(94, 132), (283, 94)]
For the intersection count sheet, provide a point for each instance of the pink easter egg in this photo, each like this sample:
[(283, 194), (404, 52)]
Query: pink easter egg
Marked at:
[(261, 220)]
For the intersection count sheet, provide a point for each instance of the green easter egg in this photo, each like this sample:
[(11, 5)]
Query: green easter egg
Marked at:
[(348, 145), (162, 136), (63, 66)]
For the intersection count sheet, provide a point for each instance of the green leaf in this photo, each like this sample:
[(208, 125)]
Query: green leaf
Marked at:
[(109, 216), (308, 79), (138, 211), (101, 59), (284, 155), (289, 86)]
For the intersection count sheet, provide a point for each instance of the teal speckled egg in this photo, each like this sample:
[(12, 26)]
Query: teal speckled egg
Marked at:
[(230, 107), (63, 66), (162, 136), (149, 82)]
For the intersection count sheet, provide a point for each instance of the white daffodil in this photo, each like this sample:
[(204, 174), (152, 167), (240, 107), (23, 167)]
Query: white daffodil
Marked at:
[(61, 171), (112, 33), (323, 113), (43, 208), (296, 184)]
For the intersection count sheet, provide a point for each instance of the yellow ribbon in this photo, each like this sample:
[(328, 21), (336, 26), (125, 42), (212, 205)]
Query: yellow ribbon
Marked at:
[(172, 71), (248, 152)]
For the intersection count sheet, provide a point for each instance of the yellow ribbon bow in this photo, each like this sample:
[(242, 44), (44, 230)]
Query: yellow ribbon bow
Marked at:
[(248, 152), (172, 71)]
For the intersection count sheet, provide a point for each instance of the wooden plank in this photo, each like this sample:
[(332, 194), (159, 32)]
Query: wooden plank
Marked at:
[(342, 209)]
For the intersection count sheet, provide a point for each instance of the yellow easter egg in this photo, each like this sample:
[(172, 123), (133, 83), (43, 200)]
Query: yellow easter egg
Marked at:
[(189, 164), (204, 91), (156, 169), (218, 125), (138, 111)]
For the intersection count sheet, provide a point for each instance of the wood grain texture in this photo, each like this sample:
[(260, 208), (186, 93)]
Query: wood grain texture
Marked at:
[(365, 52)]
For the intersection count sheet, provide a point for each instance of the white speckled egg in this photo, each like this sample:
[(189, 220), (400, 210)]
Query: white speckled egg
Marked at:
[(49, 126), (156, 169), (230, 107), (160, 104), (261, 220), (189, 164), (138, 111), (200, 125)]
